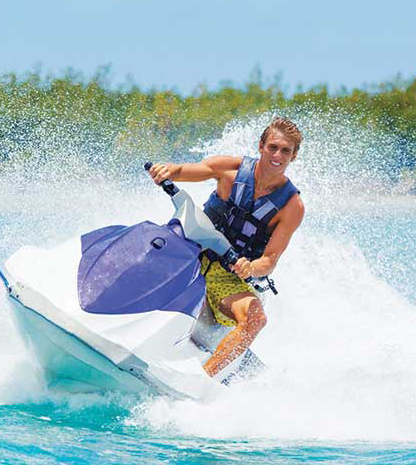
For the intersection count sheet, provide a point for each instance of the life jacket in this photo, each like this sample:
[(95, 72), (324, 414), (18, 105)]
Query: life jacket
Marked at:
[(243, 220)]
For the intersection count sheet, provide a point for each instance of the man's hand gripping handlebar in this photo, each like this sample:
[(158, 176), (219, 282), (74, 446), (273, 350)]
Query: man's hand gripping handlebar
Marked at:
[(167, 185)]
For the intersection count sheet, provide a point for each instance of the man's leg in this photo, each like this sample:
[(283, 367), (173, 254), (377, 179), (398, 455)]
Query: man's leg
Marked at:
[(246, 309)]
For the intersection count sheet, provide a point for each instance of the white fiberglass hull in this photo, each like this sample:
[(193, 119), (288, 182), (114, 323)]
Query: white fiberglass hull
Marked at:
[(71, 363), (92, 363), (67, 361), (157, 351), (132, 352)]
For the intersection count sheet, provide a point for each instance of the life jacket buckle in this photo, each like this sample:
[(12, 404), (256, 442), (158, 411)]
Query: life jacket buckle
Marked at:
[(240, 213), (233, 209)]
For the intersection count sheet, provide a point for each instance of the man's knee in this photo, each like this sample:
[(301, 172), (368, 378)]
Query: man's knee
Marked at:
[(237, 305), (247, 311)]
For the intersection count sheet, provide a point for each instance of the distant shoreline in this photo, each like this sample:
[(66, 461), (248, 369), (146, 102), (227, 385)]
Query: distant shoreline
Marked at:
[(124, 123)]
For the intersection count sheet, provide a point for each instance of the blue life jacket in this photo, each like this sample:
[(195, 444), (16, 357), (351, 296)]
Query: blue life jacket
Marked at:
[(243, 220)]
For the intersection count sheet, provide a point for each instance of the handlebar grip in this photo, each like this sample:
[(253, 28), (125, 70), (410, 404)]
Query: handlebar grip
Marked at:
[(230, 258), (167, 185)]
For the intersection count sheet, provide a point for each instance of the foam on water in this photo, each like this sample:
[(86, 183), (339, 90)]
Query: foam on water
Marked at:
[(339, 342), (341, 355)]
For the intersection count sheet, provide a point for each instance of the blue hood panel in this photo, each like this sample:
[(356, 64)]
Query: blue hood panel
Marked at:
[(138, 269)]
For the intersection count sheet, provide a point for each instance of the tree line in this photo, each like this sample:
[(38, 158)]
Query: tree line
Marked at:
[(129, 122)]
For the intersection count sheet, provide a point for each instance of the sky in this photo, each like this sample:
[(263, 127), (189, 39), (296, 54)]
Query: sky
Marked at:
[(180, 44)]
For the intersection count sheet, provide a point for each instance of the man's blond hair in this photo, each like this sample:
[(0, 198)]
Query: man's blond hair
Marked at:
[(285, 126)]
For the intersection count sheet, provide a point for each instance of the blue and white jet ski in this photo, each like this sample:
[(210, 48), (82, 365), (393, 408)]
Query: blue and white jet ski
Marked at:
[(130, 314)]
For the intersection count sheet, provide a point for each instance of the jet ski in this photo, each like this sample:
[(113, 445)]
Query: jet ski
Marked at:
[(129, 312)]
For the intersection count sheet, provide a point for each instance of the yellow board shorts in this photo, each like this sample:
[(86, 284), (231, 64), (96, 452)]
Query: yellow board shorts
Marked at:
[(219, 284)]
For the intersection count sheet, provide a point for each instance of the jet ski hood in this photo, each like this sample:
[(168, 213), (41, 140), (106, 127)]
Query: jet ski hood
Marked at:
[(138, 269)]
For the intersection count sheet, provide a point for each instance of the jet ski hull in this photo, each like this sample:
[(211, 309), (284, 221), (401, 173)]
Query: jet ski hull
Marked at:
[(71, 365), (81, 355), (69, 362)]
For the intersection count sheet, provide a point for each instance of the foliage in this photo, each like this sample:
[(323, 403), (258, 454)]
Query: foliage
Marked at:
[(128, 124)]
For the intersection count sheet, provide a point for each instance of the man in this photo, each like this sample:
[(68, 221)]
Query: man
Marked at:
[(258, 209)]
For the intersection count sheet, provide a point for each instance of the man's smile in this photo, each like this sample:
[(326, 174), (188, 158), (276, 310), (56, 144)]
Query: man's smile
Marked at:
[(275, 163)]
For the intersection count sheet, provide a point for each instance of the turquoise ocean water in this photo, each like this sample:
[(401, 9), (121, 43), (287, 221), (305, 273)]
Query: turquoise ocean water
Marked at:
[(340, 344)]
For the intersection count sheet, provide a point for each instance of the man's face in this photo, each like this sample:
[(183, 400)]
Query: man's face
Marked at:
[(277, 152)]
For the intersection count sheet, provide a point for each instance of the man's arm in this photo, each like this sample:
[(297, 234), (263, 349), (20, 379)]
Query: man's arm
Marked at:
[(210, 168), (291, 219)]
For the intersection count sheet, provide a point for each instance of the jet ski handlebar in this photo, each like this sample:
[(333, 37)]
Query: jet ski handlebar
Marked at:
[(261, 284), (167, 185), (230, 257)]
